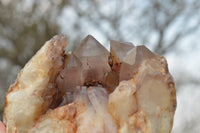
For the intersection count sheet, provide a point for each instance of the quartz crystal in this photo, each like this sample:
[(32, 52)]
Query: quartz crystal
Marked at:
[(94, 58), (90, 90), (119, 50), (69, 77), (133, 60)]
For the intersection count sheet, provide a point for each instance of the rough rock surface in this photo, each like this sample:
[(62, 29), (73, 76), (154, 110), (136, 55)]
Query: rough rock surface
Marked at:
[(128, 90), (59, 120), (30, 95)]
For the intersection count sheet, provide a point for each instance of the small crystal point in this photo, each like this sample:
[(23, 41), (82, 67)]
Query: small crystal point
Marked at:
[(92, 112), (133, 60), (73, 62), (137, 55), (119, 50)]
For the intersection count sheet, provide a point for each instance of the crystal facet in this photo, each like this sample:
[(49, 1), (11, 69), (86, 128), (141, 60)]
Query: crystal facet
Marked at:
[(138, 55), (119, 50), (69, 77), (156, 94), (94, 58), (111, 81), (90, 47), (133, 60)]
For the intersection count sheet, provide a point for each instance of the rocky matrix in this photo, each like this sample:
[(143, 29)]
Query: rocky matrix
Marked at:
[(126, 90)]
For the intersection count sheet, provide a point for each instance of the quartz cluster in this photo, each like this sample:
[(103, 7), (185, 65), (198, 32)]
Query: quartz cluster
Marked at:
[(92, 90)]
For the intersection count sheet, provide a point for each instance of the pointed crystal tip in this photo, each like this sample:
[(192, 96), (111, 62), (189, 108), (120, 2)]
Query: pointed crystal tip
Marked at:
[(138, 54), (94, 59), (90, 47), (119, 50)]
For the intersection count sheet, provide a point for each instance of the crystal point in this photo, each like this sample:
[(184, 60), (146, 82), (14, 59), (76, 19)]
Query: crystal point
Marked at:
[(69, 77), (90, 47), (94, 58), (119, 50), (133, 60), (73, 61), (137, 55)]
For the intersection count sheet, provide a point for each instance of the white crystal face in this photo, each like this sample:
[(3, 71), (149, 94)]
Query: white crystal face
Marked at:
[(133, 60), (138, 55), (90, 90)]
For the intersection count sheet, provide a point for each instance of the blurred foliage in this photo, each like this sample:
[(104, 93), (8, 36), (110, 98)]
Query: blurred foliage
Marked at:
[(26, 24), (160, 24)]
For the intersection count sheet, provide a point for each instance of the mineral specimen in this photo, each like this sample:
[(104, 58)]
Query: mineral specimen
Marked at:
[(90, 90)]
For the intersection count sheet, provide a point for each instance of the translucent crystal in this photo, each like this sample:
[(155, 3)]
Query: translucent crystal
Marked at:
[(99, 99), (72, 62), (138, 55), (133, 60), (94, 58), (119, 50), (90, 47), (92, 111), (70, 77), (111, 81)]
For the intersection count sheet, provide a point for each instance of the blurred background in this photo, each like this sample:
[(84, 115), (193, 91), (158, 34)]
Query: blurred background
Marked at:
[(167, 27)]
